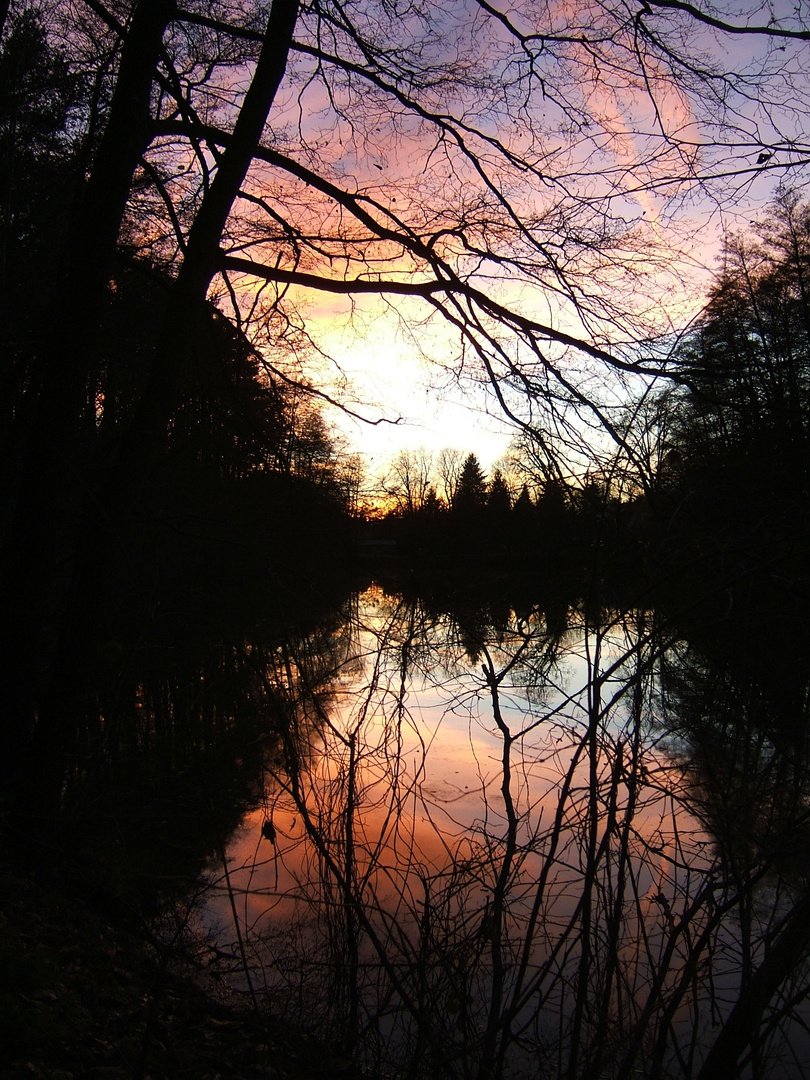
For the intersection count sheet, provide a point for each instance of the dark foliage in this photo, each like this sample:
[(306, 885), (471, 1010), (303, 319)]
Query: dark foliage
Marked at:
[(748, 361), (730, 504), (119, 526)]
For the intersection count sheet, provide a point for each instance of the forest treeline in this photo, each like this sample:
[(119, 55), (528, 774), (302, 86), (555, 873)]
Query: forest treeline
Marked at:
[(171, 492), (711, 476), (180, 529), (723, 442), (235, 417), (245, 454)]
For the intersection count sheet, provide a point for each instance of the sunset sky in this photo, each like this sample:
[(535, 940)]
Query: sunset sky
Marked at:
[(421, 404), (394, 358), (559, 211), (421, 409)]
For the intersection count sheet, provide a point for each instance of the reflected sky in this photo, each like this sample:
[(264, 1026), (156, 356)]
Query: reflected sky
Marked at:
[(480, 850)]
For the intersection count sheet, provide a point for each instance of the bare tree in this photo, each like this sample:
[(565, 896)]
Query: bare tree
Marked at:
[(408, 479), (448, 469), (532, 156)]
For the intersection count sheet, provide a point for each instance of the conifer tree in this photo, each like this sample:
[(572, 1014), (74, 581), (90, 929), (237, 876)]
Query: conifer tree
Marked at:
[(499, 500), (471, 493)]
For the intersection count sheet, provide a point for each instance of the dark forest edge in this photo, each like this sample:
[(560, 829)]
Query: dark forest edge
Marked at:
[(710, 488)]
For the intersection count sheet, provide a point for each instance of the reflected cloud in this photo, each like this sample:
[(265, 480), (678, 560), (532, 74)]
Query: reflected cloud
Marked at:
[(494, 852)]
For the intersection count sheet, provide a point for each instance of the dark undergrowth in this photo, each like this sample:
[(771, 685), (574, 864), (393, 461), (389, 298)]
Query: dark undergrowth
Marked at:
[(84, 994)]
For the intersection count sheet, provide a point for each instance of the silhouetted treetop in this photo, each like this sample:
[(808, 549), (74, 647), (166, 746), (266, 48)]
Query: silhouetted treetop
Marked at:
[(41, 94), (471, 491), (748, 360), (499, 498)]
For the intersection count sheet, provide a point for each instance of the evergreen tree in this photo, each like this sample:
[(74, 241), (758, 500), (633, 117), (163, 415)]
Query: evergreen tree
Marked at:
[(499, 500), (524, 507), (432, 504), (471, 492), (748, 361), (553, 511)]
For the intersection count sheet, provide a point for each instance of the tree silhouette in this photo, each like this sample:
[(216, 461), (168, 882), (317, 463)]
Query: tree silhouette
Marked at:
[(40, 93), (202, 177), (471, 492), (499, 499), (737, 441), (409, 480), (748, 361), (524, 509)]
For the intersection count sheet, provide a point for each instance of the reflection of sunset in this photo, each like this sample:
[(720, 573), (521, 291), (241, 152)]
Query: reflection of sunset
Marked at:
[(396, 813)]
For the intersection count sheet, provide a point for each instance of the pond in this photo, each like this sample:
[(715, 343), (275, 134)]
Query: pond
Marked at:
[(538, 842)]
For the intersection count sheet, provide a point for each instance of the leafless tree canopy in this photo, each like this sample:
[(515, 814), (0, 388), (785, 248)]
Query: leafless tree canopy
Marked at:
[(526, 176)]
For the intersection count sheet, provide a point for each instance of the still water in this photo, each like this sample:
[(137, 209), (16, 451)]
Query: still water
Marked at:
[(523, 843)]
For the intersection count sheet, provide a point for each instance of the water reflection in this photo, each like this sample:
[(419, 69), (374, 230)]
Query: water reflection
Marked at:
[(165, 756), (525, 845)]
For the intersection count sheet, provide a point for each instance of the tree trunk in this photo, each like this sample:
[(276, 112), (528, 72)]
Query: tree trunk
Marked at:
[(184, 320), (73, 507), (745, 1020)]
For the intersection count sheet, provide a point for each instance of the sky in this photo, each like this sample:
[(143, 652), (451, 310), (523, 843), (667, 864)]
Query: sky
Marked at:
[(410, 403), (416, 411), (402, 392), (395, 371), (431, 419)]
